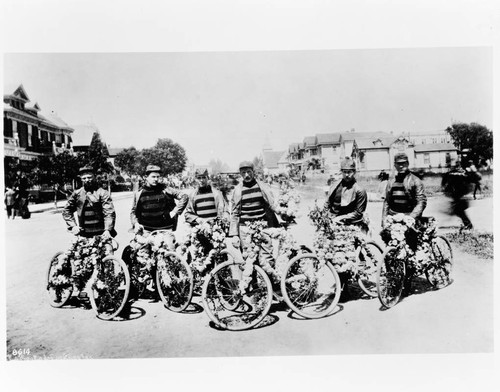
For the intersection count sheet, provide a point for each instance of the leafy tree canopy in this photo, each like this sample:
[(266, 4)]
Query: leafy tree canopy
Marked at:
[(168, 155), (475, 139), (97, 155), (128, 161)]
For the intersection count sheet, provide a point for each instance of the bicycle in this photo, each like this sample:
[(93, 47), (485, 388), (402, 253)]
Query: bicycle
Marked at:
[(202, 249), (238, 294), (151, 262), (342, 249), (418, 249), (89, 266)]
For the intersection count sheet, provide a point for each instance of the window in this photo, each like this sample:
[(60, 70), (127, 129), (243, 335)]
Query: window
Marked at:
[(427, 158), (30, 136)]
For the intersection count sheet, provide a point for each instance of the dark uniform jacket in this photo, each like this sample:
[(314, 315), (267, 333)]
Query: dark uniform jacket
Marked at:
[(171, 195), (353, 201), (99, 200), (414, 189)]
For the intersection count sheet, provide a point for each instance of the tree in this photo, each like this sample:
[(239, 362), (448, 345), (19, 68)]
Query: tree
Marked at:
[(474, 140), (168, 155), (57, 169), (217, 166), (128, 161), (97, 155)]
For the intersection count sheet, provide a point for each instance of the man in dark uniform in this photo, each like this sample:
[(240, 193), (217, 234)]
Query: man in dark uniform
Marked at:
[(346, 199), (404, 195), (154, 207), (93, 206)]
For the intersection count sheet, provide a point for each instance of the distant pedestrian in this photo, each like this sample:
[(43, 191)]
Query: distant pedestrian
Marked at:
[(10, 200), (456, 185), (383, 178), (474, 177), (22, 193)]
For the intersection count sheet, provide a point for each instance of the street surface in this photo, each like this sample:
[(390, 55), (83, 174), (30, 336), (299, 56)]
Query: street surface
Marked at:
[(457, 319)]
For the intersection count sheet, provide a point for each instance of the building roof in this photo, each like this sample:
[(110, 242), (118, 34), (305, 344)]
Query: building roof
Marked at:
[(271, 158), (434, 147), (350, 136), (328, 138), (54, 119), (283, 158), (375, 143), (309, 141), (83, 134), (19, 92), (293, 147)]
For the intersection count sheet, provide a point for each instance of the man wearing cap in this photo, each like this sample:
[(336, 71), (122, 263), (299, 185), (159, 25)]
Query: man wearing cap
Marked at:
[(205, 203), (252, 201), (404, 193), (93, 206), (154, 207), (346, 199)]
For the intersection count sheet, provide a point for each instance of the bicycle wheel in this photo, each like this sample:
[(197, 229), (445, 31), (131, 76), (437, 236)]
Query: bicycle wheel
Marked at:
[(438, 271), (109, 287), (310, 288), (227, 306), (390, 277), (59, 284), (174, 281), (367, 259)]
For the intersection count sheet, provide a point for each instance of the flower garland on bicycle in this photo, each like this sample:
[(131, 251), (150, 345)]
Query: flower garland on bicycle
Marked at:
[(403, 231), (346, 202), (94, 230), (336, 242), (208, 215), (288, 201), (405, 195), (252, 202)]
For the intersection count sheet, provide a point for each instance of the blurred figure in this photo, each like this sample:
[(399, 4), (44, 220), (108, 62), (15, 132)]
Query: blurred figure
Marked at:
[(474, 177), (456, 185), (10, 200)]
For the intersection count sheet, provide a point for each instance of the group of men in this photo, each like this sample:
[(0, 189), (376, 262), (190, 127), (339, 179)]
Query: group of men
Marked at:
[(158, 207)]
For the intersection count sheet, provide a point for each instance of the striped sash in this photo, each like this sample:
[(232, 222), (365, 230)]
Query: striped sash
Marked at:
[(152, 206), (400, 202), (204, 205), (252, 204), (91, 224)]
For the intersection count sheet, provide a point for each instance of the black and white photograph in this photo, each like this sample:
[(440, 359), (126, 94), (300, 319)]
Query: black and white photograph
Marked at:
[(186, 201)]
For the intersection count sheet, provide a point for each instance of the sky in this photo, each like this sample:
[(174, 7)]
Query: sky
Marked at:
[(229, 105)]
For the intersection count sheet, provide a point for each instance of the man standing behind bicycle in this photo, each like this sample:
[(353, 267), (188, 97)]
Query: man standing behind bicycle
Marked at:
[(205, 203), (346, 200), (252, 201), (154, 206), (404, 195), (93, 206)]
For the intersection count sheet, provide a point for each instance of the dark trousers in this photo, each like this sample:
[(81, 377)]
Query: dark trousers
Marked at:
[(458, 207)]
